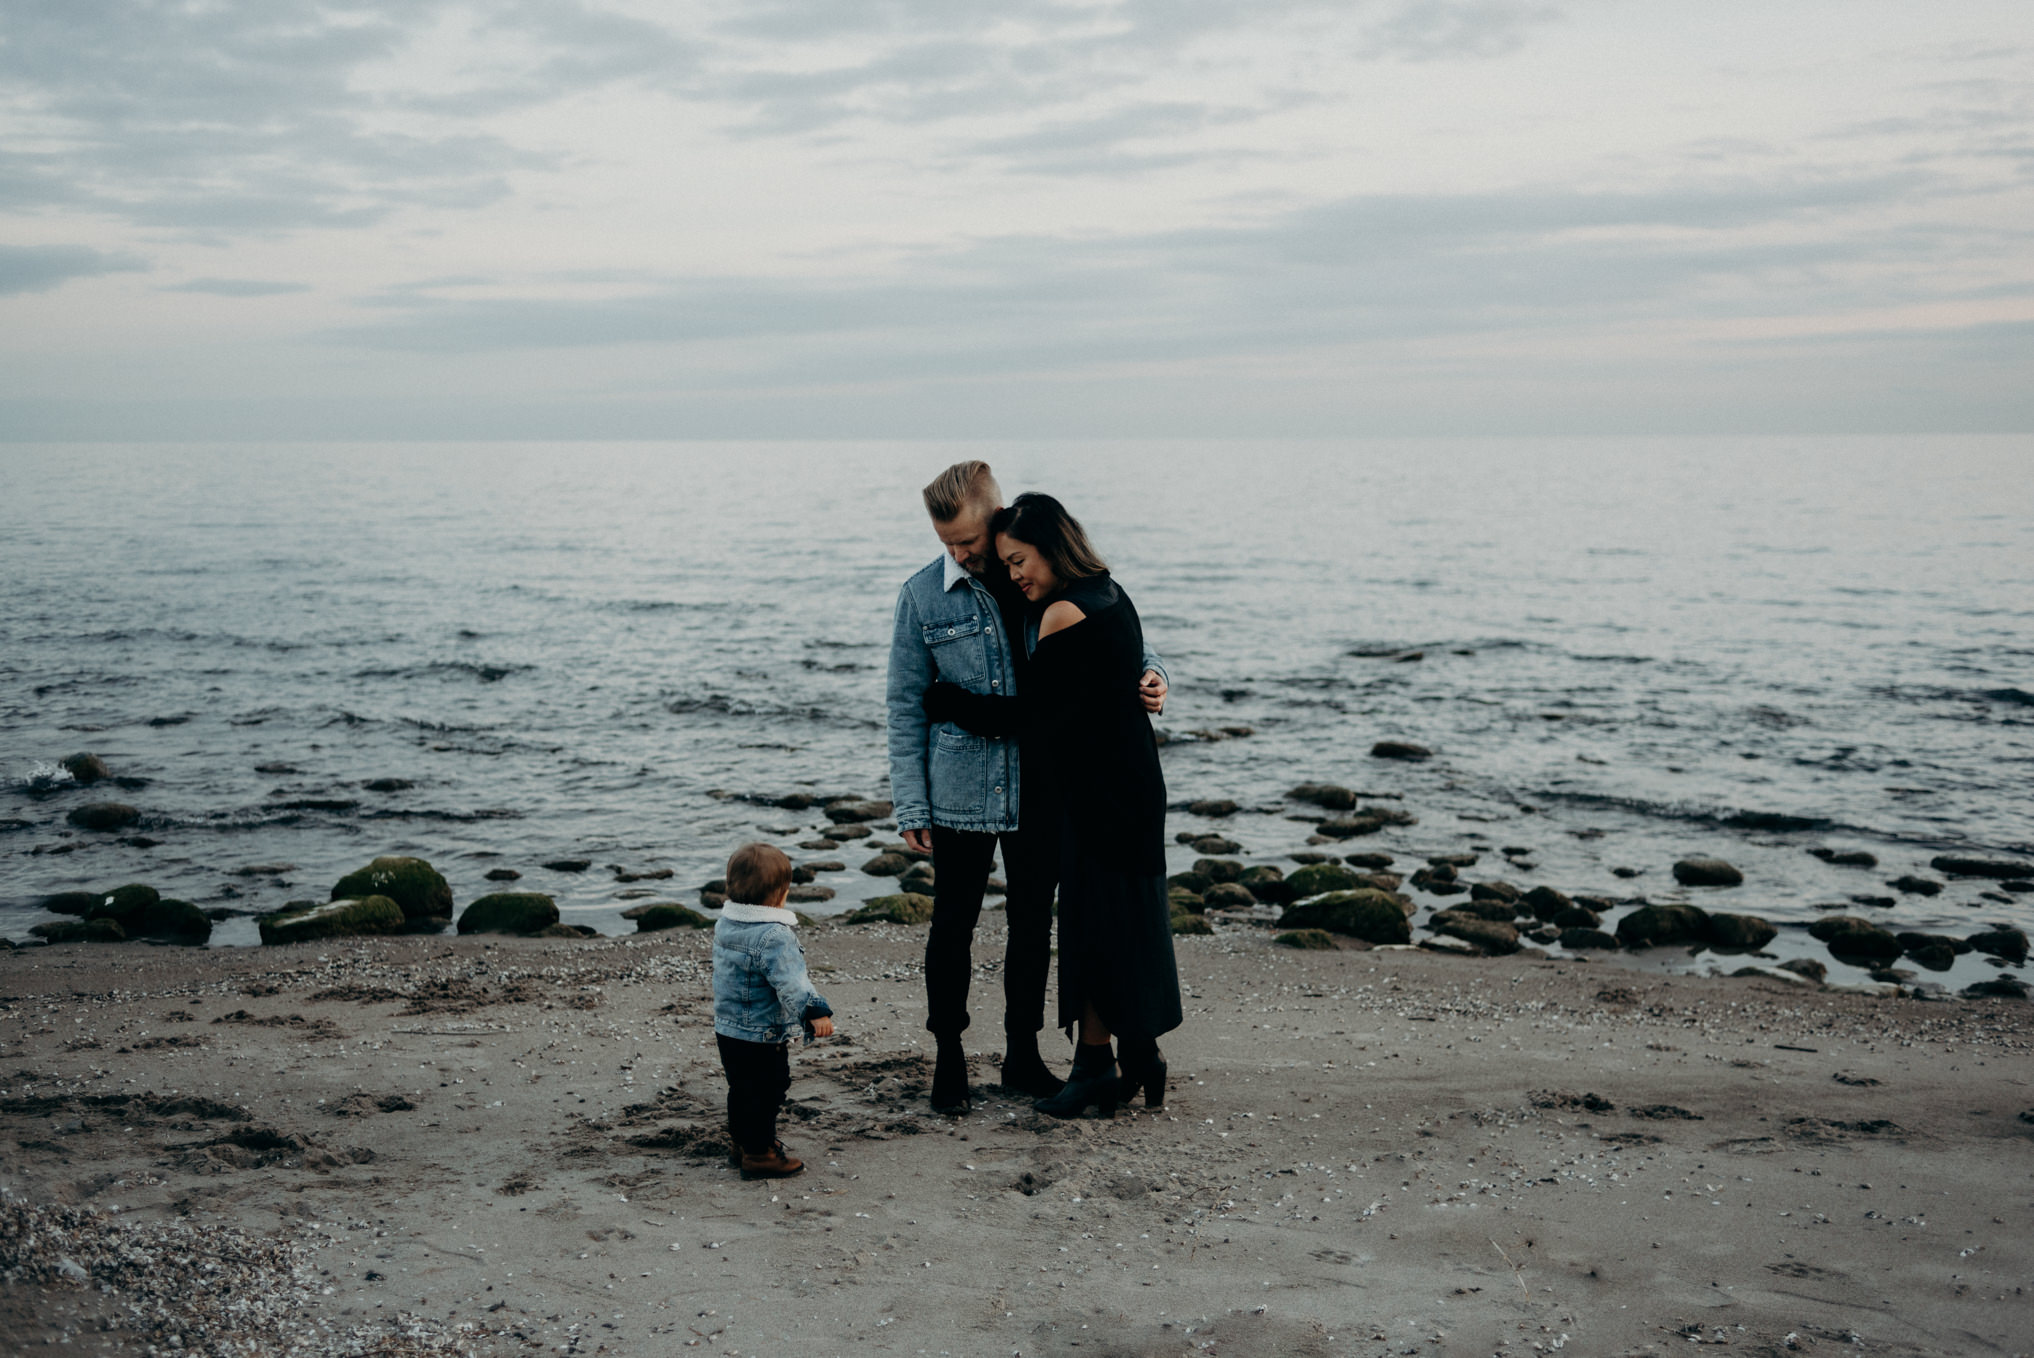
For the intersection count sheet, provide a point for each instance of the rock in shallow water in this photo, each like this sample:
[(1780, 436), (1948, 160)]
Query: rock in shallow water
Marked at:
[(81, 931), (887, 865), (85, 769), (1707, 872), (1399, 749), (416, 887), (1850, 937), (1581, 939), (1331, 796), (1229, 896), (303, 922), (1373, 916), (112, 816), (1740, 931), (1546, 903), (1655, 925), (1214, 807), (509, 912), (1958, 865), (1806, 966), (2010, 944), (1851, 858)]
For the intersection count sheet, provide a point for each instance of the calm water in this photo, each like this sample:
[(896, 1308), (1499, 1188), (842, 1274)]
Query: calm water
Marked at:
[(1633, 651)]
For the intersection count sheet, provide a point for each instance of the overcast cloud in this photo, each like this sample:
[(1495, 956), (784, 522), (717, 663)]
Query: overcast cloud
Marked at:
[(287, 218)]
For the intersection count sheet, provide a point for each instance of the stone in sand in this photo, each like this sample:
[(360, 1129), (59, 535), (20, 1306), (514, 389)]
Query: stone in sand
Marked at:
[(1653, 925), (1806, 966), (668, 915), (918, 877), (1707, 872), (1998, 988), (1373, 916), (509, 912), (81, 931), (71, 902), (1308, 940), (301, 922), (1399, 749), (1183, 901), (1740, 931), (177, 921), (103, 816), (1229, 896), (1196, 882), (416, 887), (906, 907), (887, 864), (1332, 796), (85, 769), (1213, 807), (1502, 911), (1191, 924), (1267, 883)]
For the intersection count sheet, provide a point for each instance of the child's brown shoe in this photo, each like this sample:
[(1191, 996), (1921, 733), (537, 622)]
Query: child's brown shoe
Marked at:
[(774, 1163)]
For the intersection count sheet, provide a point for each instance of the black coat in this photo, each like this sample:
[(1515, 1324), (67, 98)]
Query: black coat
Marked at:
[(1091, 764)]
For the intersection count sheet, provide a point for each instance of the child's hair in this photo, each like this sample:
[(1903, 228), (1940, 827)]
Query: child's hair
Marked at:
[(757, 872)]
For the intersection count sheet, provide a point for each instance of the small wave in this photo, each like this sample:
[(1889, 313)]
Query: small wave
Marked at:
[(725, 705), (454, 817), (2017, 696), (486, 674), (666, 606), (1734, 819)]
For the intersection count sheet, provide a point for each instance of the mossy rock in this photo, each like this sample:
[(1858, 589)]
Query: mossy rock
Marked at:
[(887, 864), (1371, 915), (1308, 940), (906, 907), (565, 931), (918, 877), (1546, 903), (178, 920), (509, 912), (1191, 924), (1262, 875), (414, 885), (1316, 878), (1196, 882), (1740, 931), (1219, 869), (1228, 896), (81, 931), (668, 915), (1504, 912), (71, 902), (85, 769), (125, 903), (1331, 796), (1184, 902), (1654, 925), (342, 918)]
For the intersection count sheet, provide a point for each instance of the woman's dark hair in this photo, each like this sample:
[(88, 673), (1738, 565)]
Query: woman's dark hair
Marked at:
[(1043, 523)]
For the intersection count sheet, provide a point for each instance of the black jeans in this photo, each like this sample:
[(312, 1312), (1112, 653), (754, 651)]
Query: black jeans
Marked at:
[(960, 869), (758, 1073)]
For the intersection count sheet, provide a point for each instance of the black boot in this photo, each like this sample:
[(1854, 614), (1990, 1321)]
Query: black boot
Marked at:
[(1092, 1082), (1025, 1071), (950, 1078), (1143, 1068)]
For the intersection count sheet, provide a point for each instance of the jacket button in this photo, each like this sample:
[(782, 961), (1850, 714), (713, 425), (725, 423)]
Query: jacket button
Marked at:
[(949, 631), (999, 789), (995, 683)]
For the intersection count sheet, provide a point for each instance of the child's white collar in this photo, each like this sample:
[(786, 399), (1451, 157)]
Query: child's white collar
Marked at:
[(758, 914)]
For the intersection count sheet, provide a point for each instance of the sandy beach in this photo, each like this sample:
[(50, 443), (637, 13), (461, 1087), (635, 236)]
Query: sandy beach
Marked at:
[(440, 1144)]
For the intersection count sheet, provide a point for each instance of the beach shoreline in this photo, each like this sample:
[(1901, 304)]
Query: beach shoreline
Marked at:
[(497, 1145)]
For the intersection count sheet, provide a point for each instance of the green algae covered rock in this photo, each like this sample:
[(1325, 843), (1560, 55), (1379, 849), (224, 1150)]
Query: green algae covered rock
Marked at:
[(124, 903), (301, 922), (1191, 924), (1371, 915), (1316, 878), (81, 931), (906, 907), (414, 885), (1308, 940), (509, 912), (669, 915)]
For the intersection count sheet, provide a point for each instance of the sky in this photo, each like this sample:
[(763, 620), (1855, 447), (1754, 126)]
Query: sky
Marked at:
[(556, 219)]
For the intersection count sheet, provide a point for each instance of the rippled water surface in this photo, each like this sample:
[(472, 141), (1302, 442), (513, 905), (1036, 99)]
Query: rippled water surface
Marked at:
[(1630, 651)]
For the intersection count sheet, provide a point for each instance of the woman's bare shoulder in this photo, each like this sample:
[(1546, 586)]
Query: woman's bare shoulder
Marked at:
[(1060, 616)]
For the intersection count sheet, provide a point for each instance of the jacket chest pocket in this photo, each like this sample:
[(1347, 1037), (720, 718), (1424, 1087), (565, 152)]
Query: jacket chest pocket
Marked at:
[(958, 649)]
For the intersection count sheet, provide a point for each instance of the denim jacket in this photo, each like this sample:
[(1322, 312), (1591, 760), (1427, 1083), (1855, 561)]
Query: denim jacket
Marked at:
[(761, 992), (949, 627)]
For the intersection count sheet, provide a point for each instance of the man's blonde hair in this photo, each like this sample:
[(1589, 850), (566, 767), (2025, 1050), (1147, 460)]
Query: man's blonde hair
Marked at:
[(963, 486)]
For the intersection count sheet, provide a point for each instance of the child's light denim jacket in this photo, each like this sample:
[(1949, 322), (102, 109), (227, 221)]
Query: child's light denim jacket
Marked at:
[(761, 992)]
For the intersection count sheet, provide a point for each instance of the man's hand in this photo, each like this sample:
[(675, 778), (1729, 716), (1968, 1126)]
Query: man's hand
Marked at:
[(822, 1027), (919, 841), (1152, 690)]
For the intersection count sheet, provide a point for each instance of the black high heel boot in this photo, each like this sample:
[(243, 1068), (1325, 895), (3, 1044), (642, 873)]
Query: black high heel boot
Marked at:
[(1143, 1068), (1092, 1082), (1025, 1071), (950, 1078)]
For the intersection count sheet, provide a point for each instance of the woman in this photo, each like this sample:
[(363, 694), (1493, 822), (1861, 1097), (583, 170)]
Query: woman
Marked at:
[(1083, 732)]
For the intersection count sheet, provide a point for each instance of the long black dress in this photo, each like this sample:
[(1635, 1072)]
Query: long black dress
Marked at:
[(1087, 749)]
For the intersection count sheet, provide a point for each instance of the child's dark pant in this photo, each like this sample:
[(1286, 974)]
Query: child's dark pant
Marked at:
[(758, 1073)]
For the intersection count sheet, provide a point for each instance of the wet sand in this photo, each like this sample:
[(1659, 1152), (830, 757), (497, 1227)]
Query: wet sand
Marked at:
[(439, 1144)]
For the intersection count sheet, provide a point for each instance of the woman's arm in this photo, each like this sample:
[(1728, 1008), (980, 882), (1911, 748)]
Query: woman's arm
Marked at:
[(1058, 617), (982, 714)]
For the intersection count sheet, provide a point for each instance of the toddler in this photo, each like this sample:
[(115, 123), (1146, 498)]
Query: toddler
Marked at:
[(760, 993)]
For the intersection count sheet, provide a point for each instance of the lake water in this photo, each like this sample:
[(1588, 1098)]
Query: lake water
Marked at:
[(1631, 651)]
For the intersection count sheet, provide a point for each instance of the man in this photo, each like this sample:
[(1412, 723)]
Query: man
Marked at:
[(955, 794)]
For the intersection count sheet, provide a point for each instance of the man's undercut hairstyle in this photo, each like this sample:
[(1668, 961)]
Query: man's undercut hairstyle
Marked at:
[(961, 487), (757, 872), (1043, 523)]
